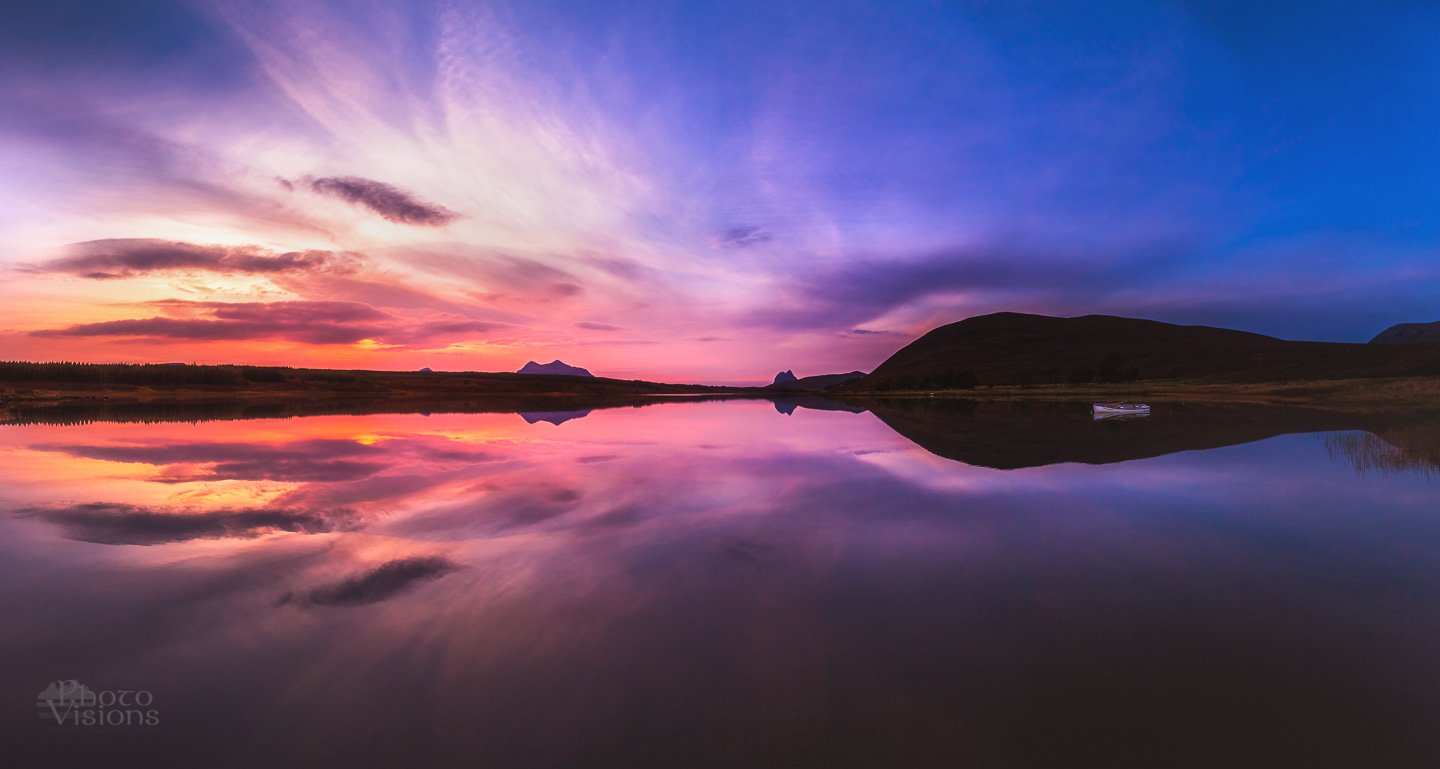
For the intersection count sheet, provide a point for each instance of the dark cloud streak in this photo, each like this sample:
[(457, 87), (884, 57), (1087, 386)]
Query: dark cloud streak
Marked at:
[(744, 237), (129, 257), (381, 583), (310, 322), (119, 524), (317, 460), (390, 202), (861, 290)]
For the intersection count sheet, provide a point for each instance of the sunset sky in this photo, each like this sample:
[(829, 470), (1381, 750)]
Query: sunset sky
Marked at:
[(687, 191)]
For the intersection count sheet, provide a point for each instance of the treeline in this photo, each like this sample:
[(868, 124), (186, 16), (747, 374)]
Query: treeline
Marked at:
[(172, 374)]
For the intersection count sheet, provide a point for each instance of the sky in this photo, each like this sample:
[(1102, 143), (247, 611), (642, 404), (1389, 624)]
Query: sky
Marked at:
[(707, 192)]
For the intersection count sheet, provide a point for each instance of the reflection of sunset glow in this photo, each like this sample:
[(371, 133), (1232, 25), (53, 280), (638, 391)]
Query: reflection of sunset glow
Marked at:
[(475, 559), (380, 467)]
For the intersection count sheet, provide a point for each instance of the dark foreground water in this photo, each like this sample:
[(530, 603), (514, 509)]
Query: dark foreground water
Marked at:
[(723, 585)]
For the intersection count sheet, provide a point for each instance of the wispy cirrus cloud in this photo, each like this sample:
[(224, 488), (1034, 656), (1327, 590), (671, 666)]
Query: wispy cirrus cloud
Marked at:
[(389, 201), (128, 257)]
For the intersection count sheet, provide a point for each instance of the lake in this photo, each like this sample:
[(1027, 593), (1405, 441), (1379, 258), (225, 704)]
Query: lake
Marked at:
[(724, 584)]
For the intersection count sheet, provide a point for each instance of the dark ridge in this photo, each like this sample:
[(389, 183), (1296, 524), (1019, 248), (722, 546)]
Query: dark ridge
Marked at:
[(1409, 333), (1017, 349)]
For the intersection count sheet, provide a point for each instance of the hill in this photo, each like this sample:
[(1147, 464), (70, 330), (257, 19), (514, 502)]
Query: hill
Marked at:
[(1019, 349), (553, 368), (1409, 333)]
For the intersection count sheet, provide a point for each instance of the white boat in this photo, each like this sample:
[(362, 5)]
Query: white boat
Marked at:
[(1112, 410)]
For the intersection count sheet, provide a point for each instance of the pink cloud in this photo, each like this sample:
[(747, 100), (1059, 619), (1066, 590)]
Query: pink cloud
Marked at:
[(308, 322), (129, 257)]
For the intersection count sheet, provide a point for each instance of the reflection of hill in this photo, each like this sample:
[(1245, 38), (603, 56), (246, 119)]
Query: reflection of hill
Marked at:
[(1015, 434), (553, 417), (786, 404)]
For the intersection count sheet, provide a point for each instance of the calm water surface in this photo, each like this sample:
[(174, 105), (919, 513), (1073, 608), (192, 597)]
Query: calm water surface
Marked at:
[(721, 585)]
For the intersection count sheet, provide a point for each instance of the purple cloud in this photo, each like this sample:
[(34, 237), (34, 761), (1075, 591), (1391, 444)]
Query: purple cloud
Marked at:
[(388, 201), (120, 524), (214, 330), (127, 257), (385, 581), (455, 327), (317, 460), (311, 322), (859, 290), (292, 312), (744, 237)]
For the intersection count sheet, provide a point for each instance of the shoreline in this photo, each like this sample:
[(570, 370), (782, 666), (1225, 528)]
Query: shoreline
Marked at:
[(25, 401), (1347, 394)]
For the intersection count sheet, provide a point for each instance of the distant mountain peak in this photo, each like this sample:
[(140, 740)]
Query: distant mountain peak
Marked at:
[(785, 376), (554, 368)]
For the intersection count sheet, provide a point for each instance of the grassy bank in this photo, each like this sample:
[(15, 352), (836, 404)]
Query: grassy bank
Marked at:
[(25, 387), (31, 385)]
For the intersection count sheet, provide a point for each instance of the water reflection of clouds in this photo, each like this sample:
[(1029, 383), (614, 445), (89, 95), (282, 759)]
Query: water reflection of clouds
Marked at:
[(376, 584), (121, 524), (483, 576), (472, 476)]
